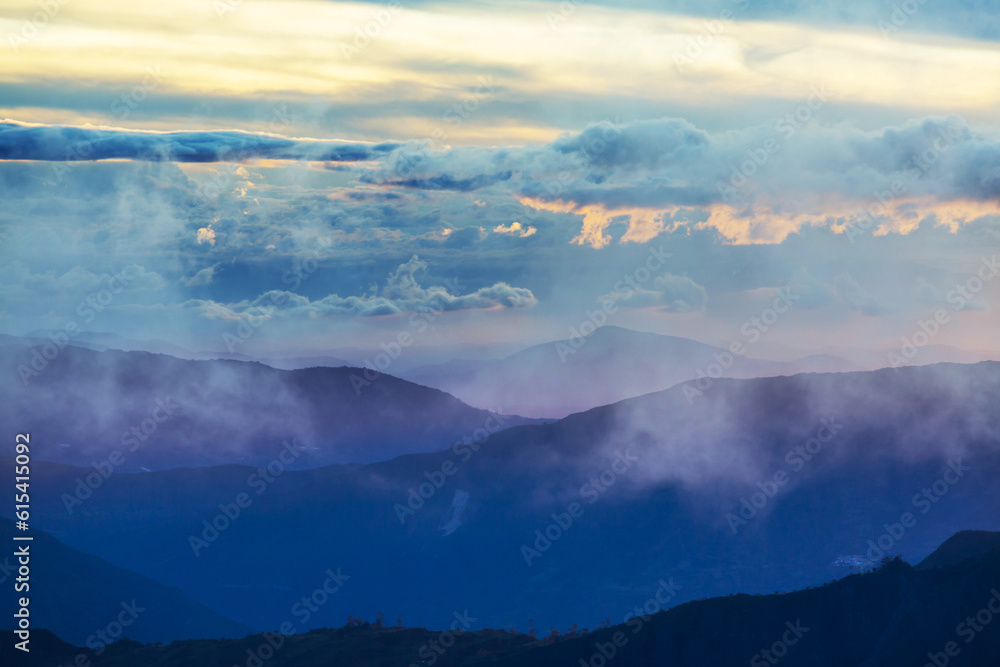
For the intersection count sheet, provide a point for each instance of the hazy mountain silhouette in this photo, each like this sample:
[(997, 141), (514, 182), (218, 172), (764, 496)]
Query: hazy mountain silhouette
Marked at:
[(961, 545), (164, 412), (893, 616), (103, 340), (677, 510), (76, 595), (609, 365), (294, 363)]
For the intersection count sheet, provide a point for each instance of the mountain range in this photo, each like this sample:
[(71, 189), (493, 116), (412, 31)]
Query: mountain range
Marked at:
[(747, 486), (611, 364), (76, 595), (160, 412), (893, 615)]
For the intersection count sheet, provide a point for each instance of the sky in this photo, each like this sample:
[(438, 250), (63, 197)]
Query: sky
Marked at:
[(312, 175)]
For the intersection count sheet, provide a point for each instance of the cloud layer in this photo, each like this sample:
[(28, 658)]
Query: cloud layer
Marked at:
[(19, 141)]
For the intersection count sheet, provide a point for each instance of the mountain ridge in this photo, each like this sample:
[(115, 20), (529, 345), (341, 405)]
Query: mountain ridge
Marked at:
[(893, 615), (203, 412), (454, 513), (76, 594)]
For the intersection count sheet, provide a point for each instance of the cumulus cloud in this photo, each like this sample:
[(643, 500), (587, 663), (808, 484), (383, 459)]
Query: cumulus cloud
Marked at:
[(401, 293), (206, 235), (515, 228), (755, 184)]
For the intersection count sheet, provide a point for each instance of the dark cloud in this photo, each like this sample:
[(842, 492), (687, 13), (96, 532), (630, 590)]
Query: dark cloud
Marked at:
[(669, 162), (70, 144), (644, 144)]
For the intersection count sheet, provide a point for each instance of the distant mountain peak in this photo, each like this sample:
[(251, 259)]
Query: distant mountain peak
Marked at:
[(961, 546)]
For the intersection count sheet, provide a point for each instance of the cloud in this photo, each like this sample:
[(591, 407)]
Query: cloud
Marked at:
[(649, 176), (960, 17), (61, 143), (206, 235), (856, 297), (515, 228), (452, 520), (680, 294), (203, 277), (812, 293), (657, 174), (673, 294), (401, 293)]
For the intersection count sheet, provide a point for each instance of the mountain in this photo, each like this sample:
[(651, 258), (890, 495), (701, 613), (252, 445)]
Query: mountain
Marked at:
[(294, 363), (895, 615), (609, 365), (160, 412), (102, 340), (960, 546), (747, 486), (74, 595), (929, 354)]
